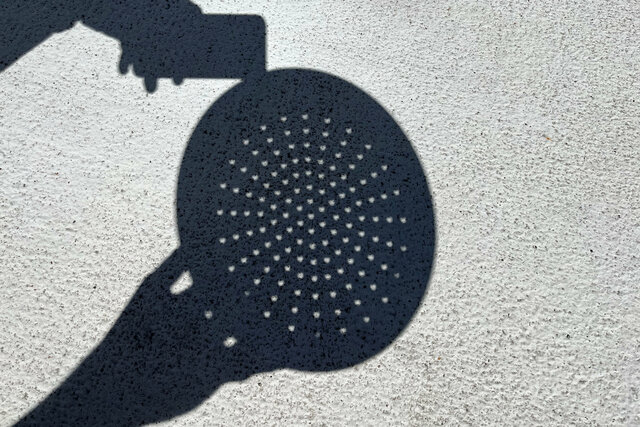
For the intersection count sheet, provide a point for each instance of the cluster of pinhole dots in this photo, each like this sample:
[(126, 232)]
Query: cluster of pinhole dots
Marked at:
[(314, 220)]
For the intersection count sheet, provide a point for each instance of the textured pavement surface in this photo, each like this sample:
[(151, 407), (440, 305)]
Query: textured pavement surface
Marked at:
[(526, 119)]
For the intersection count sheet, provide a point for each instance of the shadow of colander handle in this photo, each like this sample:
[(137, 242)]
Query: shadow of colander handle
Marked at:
[(151, 364)]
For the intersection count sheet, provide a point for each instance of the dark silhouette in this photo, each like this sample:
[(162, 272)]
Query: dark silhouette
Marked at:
[(305, 223), (159, 38)]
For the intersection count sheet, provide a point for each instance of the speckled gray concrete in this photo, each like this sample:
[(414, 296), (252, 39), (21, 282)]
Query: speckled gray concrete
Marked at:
[(526, 119)]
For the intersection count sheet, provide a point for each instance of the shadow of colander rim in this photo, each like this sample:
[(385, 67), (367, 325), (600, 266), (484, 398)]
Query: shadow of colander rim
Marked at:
[(329, 83)]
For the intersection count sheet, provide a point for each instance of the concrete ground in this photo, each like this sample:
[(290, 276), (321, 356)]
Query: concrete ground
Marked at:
[(526, 118)]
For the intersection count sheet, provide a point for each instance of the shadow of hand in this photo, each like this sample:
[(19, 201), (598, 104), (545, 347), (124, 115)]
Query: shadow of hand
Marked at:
[(174, 39), (152, 34), (170, 39)]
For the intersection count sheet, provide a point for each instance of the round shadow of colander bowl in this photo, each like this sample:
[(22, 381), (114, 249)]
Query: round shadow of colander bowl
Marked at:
[(307, 228), (307, 211)]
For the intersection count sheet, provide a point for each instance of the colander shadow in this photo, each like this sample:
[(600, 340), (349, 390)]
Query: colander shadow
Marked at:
[(307, 227)]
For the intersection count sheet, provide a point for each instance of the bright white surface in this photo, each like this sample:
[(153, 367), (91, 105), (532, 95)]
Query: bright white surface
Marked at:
[(526, 117)]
